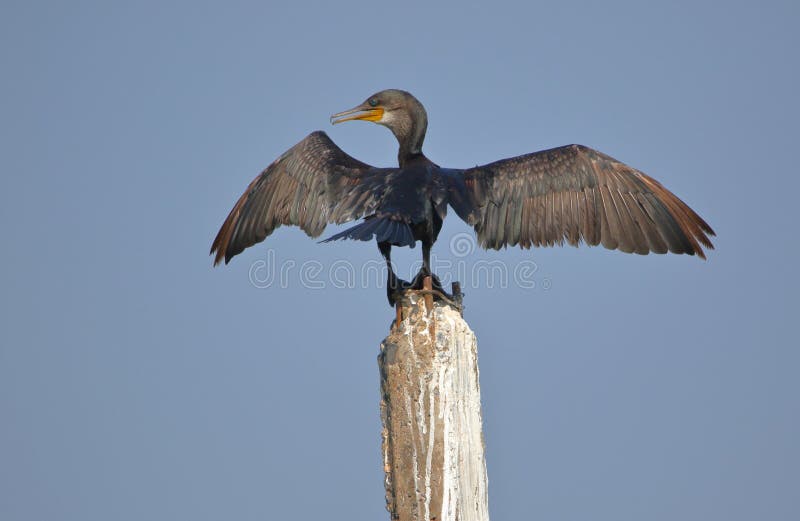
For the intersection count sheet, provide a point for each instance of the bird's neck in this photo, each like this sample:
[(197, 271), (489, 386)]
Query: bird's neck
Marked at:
[(411, 137), (410, 159)]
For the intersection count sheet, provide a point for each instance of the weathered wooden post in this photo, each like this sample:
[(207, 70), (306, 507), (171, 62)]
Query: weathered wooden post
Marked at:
[(433, 451)]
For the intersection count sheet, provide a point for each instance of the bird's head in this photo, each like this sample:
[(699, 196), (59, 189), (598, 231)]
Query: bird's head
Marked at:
[(395, 109)]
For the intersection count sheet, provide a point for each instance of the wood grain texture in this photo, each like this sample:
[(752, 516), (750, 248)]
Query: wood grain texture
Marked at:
[(433, 448)]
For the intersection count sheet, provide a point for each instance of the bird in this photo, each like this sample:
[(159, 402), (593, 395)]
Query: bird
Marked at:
[(570, 194)]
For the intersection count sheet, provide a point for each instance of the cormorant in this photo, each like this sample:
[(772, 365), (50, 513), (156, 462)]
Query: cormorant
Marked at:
[(571, 193)]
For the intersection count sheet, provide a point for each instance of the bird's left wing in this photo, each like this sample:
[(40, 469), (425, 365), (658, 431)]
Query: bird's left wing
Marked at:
[(573, 194), (312, 184)]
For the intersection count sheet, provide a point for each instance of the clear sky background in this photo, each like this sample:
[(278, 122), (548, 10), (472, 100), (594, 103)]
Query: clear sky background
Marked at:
[(138, 383)]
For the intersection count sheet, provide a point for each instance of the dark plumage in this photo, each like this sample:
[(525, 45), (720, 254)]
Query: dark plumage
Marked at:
[(566, 194)]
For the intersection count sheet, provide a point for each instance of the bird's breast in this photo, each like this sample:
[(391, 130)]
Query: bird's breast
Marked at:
[(409, 195)]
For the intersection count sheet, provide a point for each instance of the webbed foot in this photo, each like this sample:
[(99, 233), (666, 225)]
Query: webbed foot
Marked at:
[(436, 285), (394, 288)]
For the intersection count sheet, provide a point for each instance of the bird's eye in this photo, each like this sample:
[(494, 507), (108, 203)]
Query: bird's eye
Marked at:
[(373, 102)]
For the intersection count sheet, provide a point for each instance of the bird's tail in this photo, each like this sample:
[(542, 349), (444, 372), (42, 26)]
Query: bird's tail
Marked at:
[(383, 229)]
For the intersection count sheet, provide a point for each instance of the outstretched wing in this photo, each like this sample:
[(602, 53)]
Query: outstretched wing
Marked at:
[(573, 194), (314, 183)]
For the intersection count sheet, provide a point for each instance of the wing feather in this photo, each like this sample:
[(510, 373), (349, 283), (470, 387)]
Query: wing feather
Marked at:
[(609, 229), (312, 184), (574, 194)]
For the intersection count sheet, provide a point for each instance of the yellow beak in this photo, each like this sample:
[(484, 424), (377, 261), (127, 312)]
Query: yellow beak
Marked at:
[(362, 112)]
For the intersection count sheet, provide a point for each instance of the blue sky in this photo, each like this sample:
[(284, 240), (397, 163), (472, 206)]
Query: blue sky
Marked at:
[(136, 382)]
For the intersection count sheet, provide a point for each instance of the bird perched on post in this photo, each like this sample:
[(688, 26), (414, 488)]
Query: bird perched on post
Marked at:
[(569, 194)]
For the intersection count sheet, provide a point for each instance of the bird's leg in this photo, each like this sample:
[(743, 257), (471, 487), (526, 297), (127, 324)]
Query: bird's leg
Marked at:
[(426, 258), (426, 271), (394, 285)]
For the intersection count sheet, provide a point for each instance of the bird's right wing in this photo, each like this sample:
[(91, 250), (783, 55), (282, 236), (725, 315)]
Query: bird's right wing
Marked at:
[(312, 184), (573, 194)]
